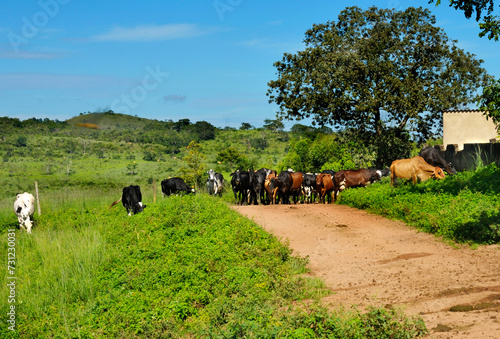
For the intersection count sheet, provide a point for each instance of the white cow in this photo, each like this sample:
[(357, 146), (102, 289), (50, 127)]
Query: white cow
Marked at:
[(24, 206)]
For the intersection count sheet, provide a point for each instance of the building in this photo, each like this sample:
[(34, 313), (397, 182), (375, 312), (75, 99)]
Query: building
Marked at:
[(467, 127)]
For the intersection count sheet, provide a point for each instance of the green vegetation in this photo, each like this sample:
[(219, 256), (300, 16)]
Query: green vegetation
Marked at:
[(122, 151), (463, 208), (372, 70), (189, 266), (490, 26), (186, 267)]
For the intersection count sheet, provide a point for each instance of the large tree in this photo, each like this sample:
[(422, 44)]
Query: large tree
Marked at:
[(374, 70), (484, 10)]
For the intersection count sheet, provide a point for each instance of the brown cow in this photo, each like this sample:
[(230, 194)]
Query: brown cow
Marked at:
[(296, 188), (271, 186), (354, 178), (324, 186), (416, 169)]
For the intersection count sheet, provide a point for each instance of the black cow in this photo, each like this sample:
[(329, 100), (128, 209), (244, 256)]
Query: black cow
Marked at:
[(433, 157), (131, 199), (331, 172), (257, 180), (173, 185), (240, 182), (284, 183)]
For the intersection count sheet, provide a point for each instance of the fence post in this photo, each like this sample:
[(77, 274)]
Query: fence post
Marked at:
[(154, 191), (37, 198)]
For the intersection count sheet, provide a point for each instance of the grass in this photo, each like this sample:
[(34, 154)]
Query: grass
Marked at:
[(463, 208), (186, 267)]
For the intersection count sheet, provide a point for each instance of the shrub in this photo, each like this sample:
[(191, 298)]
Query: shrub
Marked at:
[(463, 207)]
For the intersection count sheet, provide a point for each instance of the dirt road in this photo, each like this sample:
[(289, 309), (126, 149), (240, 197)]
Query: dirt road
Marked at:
[(369, 260)]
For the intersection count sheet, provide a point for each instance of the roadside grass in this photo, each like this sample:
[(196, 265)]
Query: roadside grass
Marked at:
[(463, 208), (188, 266)]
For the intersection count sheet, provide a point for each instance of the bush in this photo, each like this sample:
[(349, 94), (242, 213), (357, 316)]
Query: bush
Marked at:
[(463, 207)]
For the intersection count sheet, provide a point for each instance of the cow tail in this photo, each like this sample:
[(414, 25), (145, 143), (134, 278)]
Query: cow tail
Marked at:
[(116, 202)]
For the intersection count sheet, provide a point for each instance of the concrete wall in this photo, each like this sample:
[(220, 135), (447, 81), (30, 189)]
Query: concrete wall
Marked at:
[(467, 127)]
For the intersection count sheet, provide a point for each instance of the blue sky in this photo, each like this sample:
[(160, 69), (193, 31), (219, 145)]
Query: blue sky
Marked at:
[(202, 60)]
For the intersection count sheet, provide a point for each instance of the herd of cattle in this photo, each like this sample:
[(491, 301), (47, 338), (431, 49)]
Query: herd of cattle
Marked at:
[(266, 186)]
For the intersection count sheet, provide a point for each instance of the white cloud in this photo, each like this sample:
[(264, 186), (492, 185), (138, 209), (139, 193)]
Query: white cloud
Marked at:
[(152, 33), (174, 98), (253, 42), (34, 55), (46, 81)]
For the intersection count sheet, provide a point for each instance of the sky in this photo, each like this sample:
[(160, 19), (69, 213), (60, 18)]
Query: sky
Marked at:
[(205, 60)]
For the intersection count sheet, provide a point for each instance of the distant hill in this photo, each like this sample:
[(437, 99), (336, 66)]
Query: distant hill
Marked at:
[(110, 120)]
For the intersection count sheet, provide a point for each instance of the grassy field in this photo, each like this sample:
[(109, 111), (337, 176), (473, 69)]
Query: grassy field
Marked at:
[(186, 267)]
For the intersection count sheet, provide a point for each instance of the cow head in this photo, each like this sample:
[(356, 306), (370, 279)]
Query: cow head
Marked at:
[(449, 168), (211, 181), (319, 178), (139, 207), (438, 173), (241, 178), (211, 174)]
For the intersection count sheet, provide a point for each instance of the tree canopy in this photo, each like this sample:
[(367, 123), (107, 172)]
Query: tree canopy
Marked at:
[(490, 25), (490, 102), (377, 69)]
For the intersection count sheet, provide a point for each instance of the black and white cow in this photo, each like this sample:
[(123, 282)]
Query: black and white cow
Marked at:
[(173, 185), (24, 206), (309, 187), (131, 200), (215, 183)]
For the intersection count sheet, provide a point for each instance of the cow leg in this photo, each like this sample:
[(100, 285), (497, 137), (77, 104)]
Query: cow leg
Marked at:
[(21, 223), (28, 225)]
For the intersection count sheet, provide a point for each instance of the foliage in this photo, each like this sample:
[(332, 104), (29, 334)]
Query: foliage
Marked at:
[(195, 169), (490, 102), (309, 132), (186, 267), (491, 24), (345, 150), (463, 207), (274, 125), (392, 144), (21, 141), (246, 126), (233, 159), (104, 157), (376, 68)]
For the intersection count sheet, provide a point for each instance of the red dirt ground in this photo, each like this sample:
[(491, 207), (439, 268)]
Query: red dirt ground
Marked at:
[(366, 260)]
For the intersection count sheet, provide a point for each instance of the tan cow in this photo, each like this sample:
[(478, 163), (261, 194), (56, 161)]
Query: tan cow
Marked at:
[(415, 169)]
